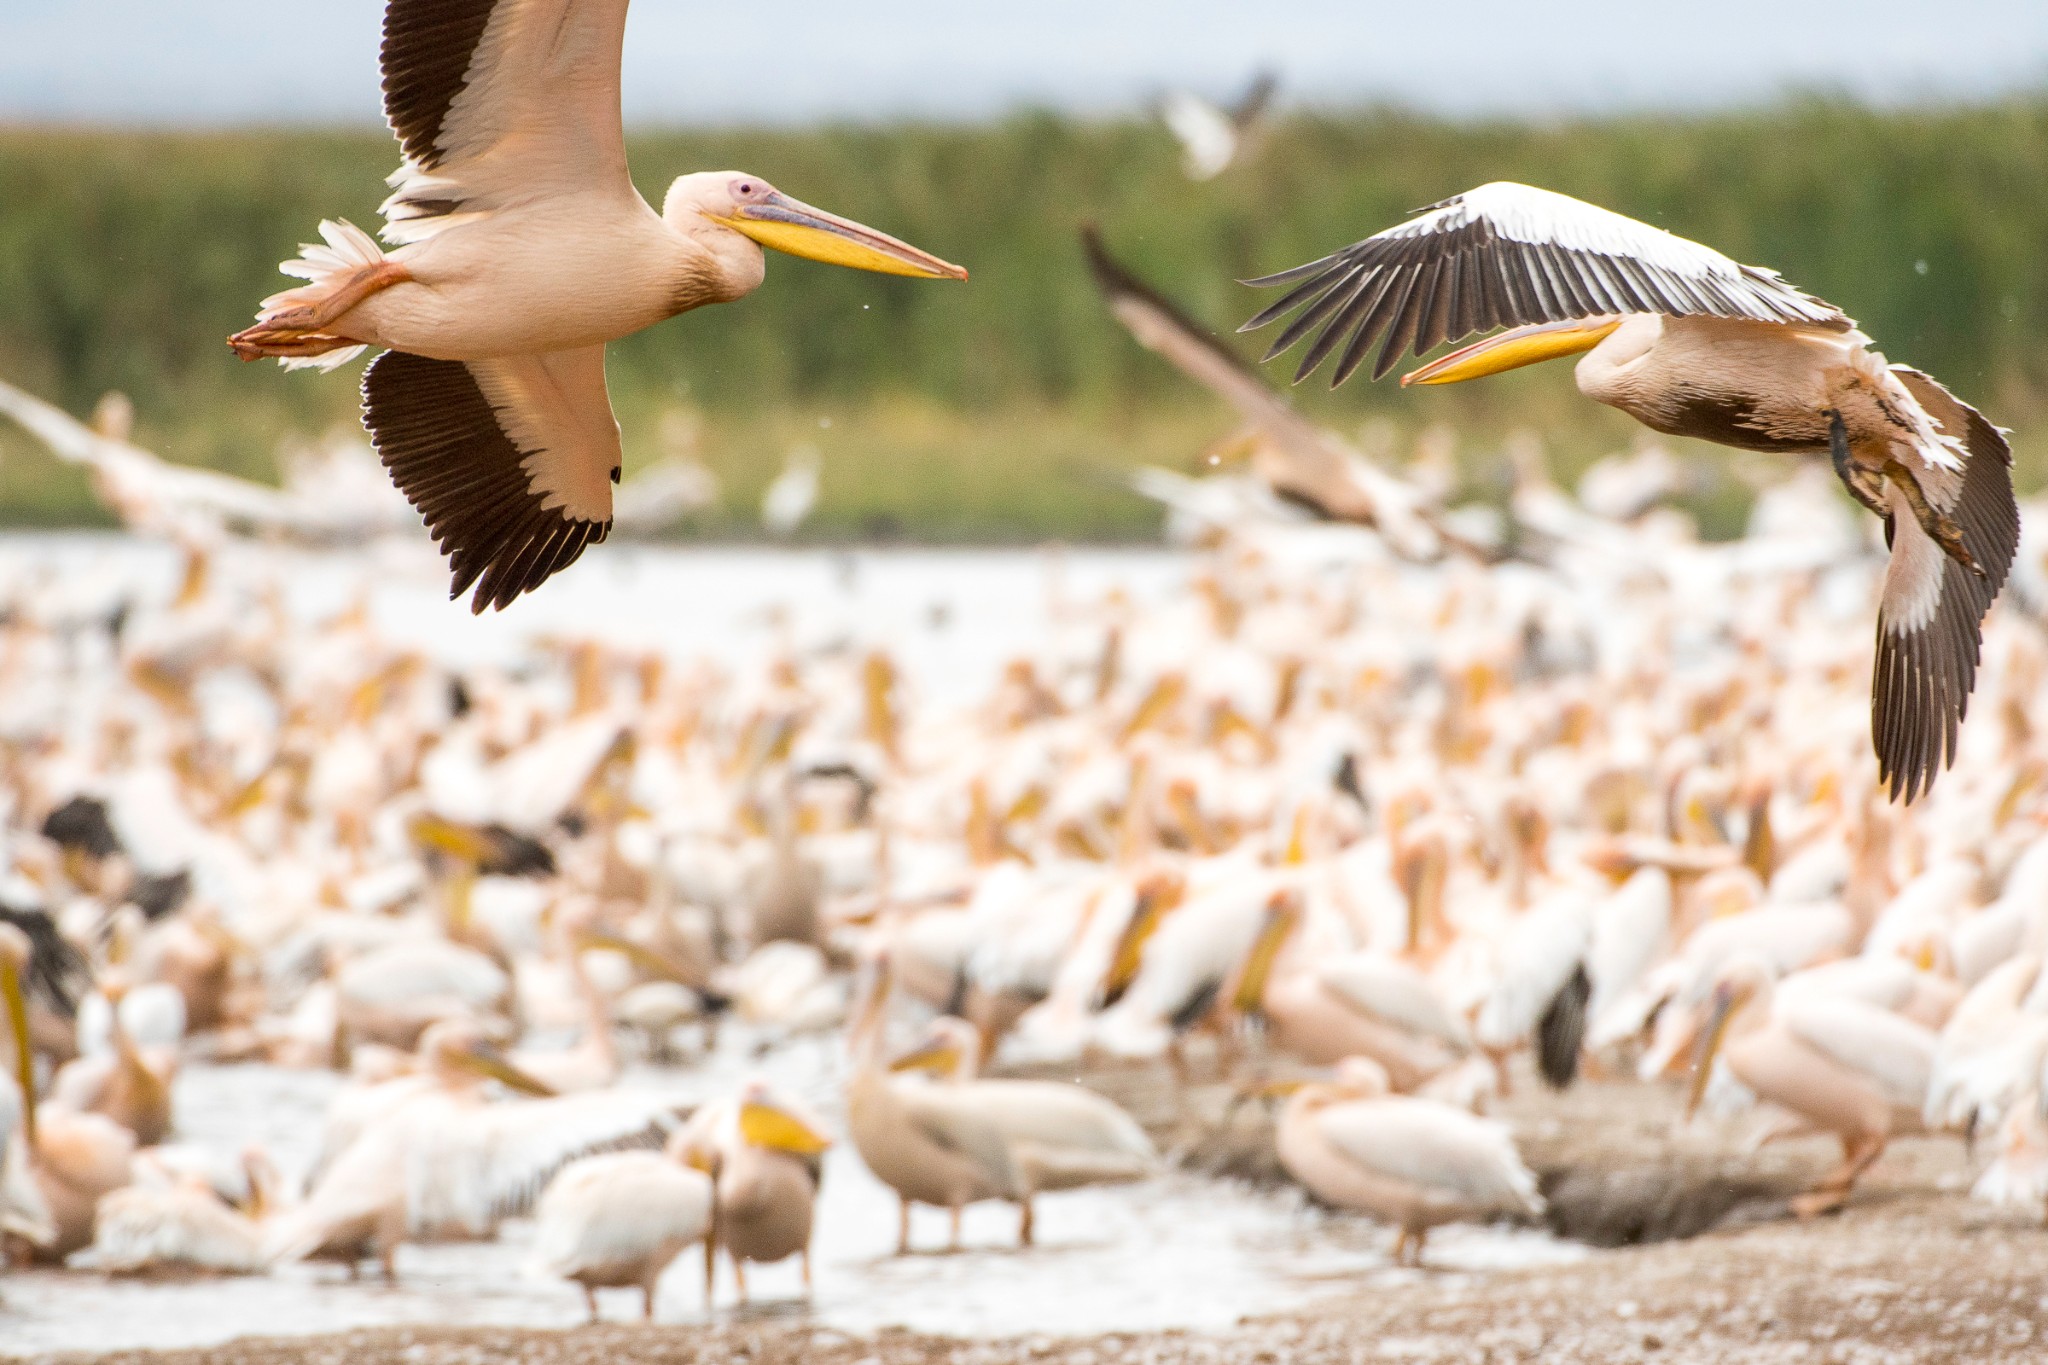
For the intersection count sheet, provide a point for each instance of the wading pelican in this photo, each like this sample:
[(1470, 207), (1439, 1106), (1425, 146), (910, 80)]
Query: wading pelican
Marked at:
[(766, 1158), (521, 249), (1690, 343), (926, 1152), (616, 1220), (1061, 1136), (1416, 1163)]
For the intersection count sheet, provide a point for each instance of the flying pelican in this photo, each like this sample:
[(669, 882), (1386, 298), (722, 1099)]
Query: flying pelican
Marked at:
[(1414, 1162), (522, 248), (1211, 137), (616, 1220), (1690, 343), (766, 1158)]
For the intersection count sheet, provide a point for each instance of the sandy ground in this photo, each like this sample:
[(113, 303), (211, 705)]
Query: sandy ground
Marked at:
[(1911, 1271)]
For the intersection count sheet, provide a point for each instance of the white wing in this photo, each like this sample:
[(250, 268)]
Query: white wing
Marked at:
[(1208, 140), (1896, 1054), (1394, 993), (1505, 255), (1437, 1147), (491, 1165), (500, 101)]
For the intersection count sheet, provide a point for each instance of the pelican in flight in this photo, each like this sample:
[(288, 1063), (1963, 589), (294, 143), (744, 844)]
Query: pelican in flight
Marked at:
[(1690, 343), (521, 248)]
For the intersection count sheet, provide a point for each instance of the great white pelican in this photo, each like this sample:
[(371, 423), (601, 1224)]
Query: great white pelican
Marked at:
[(1691, 343), (521, 248)]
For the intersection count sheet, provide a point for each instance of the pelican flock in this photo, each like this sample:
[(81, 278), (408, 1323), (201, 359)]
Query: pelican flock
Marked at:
[(1379, 821)]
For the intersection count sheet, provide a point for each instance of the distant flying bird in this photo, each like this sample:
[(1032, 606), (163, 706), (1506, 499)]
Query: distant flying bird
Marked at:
[(522, 248), (792, 493), (1301, 463), (1212, 138), (1690, 343)]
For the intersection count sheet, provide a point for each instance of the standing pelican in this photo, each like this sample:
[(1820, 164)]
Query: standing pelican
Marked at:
[(1842, 1066), (522, 248), (71, 1159), (1690, 343), (1414, 1162), (767, 1159), (616, 1220)]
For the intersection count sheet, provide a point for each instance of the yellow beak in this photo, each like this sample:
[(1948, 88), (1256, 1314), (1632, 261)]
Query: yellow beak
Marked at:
[(939, 1058), (25, 1057), (1513, 349), (765, 1125), (795, 227), (486, 1060)]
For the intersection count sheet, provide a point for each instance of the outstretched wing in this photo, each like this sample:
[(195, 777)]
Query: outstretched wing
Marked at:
[(511, 461), (500, 100), (1930, 617), (1506, 255)]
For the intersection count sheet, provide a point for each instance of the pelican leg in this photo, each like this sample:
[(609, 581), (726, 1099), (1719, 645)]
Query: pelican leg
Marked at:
[(647, 1300), (1415, 1247), (903, 1228), (953, 1242), (590, 1302), (1024, 1223), (279, 332), (1400, 1253), (1939, 525), (739, 1275), (806, 1253), (1864, 486), (1833, 1192), (710, 1271)]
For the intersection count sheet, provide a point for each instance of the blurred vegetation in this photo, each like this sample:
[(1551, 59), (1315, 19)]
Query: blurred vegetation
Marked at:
[(1003, 408)]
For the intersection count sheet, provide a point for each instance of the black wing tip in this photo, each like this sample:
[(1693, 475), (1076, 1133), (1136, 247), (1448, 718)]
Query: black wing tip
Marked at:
[(1561, 1032)]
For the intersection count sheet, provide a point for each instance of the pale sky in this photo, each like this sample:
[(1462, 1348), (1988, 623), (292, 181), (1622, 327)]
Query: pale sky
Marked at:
[(696, 61)]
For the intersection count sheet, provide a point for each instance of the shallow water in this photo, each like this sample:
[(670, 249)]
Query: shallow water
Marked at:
[(1181, 1251), (950, 617)]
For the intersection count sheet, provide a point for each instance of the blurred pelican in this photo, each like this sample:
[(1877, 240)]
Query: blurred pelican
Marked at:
[(616, 1220), (925, 1151), (1060, 1136), (766, 1158), (1414, 1162), (1322, 1008), (1840, 1065), (447, 1162), (523, 248), (1211, 138), (791, 494), (1690, 343), (71, 1159), (172, 1222), (126, 1082)]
